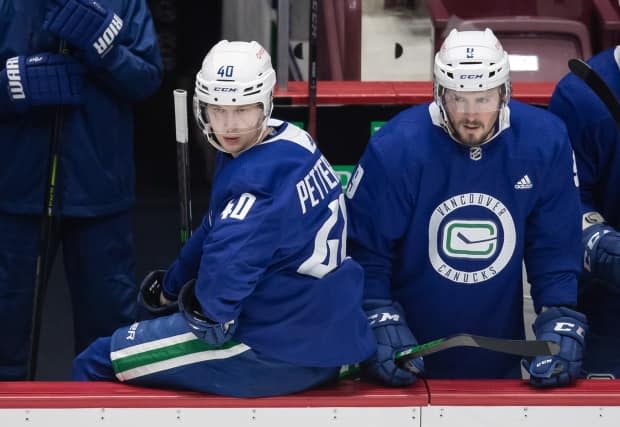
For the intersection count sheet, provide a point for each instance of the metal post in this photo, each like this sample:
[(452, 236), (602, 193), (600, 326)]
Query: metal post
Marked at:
[(283, 43)]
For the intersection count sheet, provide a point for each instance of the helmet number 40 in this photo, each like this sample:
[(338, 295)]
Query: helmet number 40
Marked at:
[(225, 71)]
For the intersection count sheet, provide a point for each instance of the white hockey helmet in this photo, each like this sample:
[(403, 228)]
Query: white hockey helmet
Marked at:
[(471, 61), (234, 73)]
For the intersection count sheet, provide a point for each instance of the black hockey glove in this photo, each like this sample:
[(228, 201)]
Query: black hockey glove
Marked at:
[(150, 292)]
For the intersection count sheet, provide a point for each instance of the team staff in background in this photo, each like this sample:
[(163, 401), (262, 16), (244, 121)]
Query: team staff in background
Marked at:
[(596, 142), (113, 61), (268, 301), (447, 201)]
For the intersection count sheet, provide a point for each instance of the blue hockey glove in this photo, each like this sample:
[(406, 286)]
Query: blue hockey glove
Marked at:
[(150, 292), (85, 24), (567, 328), (211, 332), (392, 333), (42, 79), (601, 258)]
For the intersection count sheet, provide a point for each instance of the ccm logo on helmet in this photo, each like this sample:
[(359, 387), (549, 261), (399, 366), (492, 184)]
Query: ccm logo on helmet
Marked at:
[(224, 89), (471, 76)]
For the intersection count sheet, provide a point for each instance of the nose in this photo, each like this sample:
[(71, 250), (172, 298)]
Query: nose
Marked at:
[(230, 122)]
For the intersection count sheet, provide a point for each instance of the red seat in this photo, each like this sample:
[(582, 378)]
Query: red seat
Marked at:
[(539, 47), (608, 20), (540, 36)]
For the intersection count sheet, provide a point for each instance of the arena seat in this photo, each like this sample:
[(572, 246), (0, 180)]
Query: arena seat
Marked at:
[(539, 36), (608, 14), (539, 47)]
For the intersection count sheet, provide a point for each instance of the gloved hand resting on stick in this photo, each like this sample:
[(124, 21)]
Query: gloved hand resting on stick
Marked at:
[(567, 328), (392, 333)]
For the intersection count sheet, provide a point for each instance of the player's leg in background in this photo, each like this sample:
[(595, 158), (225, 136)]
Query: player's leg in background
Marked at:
[(99, 263), (94, 364), (19, 246)]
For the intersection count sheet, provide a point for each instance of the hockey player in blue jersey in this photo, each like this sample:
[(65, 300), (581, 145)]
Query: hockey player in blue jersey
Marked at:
[(447, 201), (596, 142), (268, 301), (112, 62)]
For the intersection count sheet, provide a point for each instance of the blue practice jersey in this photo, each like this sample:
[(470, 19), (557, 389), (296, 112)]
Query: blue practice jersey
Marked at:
[(443, 229), (272, 254), (596, 141), (594, 135)]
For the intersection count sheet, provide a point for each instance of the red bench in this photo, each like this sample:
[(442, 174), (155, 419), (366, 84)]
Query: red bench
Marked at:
[(350, 403)]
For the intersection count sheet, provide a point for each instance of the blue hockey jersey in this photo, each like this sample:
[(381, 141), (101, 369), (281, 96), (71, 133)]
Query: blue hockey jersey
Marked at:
[(443, 229), (594, 135), (271, 253), (596, 141)]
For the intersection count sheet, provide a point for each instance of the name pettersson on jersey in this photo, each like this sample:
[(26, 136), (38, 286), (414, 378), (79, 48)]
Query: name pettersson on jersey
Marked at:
[(317, 184), (16, 88), (464, 236), (104, 43)]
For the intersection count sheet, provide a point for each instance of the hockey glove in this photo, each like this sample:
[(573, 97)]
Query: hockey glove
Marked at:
[(85, 24), (42, 79), (567, 328), (392, 334), (211, 332), (149, 296), (601, 258)]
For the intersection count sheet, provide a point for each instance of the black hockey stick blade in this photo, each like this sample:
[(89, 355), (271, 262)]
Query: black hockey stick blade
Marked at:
[(582, 70), (526, 348)]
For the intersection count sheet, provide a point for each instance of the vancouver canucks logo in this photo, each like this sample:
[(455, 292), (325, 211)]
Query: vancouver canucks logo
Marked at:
[(471, 238)]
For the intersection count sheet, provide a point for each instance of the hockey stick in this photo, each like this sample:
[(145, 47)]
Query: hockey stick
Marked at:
[(525, 348), (583, 70), (312, 70), (44, 261), (183, 172)]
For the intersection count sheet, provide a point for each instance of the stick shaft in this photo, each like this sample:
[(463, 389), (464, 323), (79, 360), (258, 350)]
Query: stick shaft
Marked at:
[(582, 70), (312, 66), (44, 257), (526, 348), (183, 166)]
